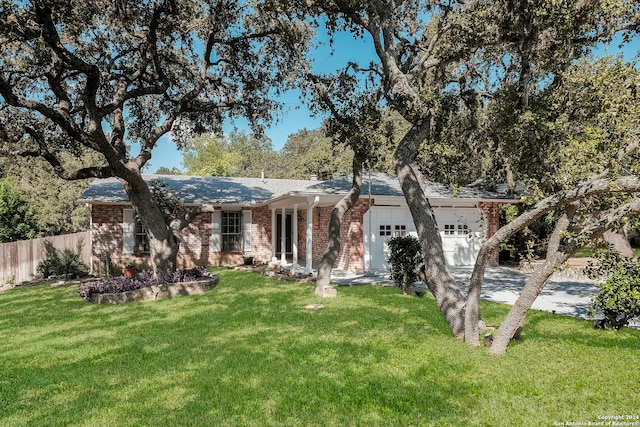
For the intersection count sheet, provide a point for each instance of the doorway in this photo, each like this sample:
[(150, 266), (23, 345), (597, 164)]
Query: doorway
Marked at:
[(288, 232)]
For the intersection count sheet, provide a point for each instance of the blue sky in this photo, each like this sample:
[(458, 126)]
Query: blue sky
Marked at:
[(296, 116)]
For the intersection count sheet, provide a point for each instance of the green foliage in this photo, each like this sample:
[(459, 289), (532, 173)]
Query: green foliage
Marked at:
[(54, 201), (112, 78), (209, 156), (312, 152), (255, 154), (404, 257), (163, 170), (62, 262), (170, 205), (618, 297), (17, 219)]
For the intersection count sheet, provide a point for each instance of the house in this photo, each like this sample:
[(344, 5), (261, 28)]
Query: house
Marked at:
[(286, 221)]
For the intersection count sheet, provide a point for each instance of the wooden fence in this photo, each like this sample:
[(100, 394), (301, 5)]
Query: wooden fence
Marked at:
[(19, 260)]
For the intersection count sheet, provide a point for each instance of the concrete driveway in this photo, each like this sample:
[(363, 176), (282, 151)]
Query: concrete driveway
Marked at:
[(566, 293)]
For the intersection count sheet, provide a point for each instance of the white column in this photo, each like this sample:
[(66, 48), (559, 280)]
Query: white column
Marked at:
[(309, 258), (273, 235), (294, 243), (283, 238)]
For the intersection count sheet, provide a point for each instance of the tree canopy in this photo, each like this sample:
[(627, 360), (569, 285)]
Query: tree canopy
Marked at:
[(112, 78), (17, 220), (471, 78)]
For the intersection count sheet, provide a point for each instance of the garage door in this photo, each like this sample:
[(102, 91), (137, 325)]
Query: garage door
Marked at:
[(461, 232), (460, 229), (382, 223)]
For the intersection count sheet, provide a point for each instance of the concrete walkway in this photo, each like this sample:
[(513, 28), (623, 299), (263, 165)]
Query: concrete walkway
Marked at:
[(566, 293)]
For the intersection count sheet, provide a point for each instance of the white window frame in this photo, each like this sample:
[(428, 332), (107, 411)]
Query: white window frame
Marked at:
[(231, 231), (449, 230), (130, 233), (245, 235)]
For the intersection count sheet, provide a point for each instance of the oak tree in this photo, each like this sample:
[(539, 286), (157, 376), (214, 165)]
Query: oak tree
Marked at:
[(113, 77), (474, 52)]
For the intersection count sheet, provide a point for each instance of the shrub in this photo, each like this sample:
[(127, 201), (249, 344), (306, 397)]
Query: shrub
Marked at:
[(618, 297), (141, 280), (404, 257), (65, 262)]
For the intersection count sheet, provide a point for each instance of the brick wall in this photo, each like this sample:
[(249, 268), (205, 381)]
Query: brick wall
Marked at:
[(261, 234), (351, 255), (107, 234), (196, 237)]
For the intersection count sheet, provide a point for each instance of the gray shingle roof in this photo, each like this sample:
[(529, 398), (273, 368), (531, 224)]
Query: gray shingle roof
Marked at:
[(250, 191), (384, 184), (201, 189)]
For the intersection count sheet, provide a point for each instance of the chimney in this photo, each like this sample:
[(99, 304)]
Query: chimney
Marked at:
[(313, 177)]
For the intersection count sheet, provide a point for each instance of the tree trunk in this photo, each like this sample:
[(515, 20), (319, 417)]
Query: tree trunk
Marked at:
[(619, 243), (516, 315), (163, 244), (436, 275), (535, 284), (586, 189), (472, 308), (556, 256), (337, 215)]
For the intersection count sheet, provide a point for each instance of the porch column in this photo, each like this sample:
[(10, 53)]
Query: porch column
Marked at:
[(273, 235), (294, 238), (283, 238), (309, 258)]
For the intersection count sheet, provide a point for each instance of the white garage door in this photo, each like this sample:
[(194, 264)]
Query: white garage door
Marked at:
[(382, 223), (460, 229), (461, 232)]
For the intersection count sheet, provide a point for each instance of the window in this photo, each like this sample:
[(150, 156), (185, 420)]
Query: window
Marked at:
[(134, 237), (401, 230), (385, 230), (141, 242), (231, 231), (463, 230), (449, 229)]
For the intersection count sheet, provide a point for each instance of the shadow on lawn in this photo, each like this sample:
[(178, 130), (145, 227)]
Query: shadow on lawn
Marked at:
[(545, 327), (236, 355)]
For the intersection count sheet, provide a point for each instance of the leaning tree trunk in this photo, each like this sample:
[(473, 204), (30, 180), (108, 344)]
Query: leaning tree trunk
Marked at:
[(163, 245), (534, 285), (337, 215), (555, 256), (436, 275)]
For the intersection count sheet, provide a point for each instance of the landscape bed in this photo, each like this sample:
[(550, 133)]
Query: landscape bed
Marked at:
[(251, 354)]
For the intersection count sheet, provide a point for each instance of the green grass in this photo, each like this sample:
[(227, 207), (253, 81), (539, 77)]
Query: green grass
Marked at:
[(248, 353), (588, 252)]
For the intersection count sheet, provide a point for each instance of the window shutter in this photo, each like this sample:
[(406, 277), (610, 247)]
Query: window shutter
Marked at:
[(128, 231), (216, 231), (246, 230)]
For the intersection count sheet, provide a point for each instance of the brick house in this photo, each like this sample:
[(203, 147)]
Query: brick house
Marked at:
[(286, 221)]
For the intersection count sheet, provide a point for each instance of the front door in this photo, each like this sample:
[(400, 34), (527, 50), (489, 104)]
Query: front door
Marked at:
[(288, 231)]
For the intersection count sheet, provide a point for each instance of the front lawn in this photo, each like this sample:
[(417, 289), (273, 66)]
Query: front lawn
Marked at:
[(248, 353)]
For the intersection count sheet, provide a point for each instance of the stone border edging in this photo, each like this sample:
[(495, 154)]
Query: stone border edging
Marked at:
[(170, 290)]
